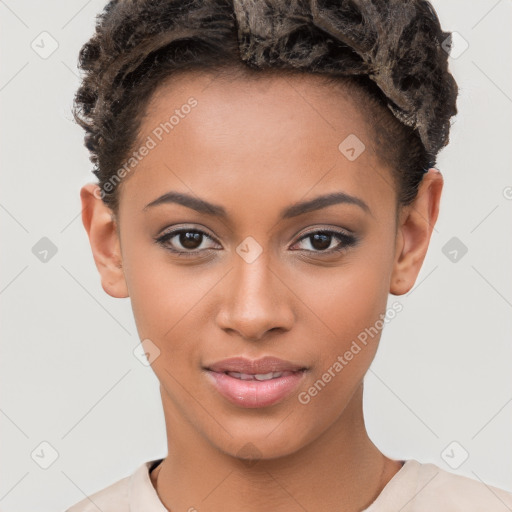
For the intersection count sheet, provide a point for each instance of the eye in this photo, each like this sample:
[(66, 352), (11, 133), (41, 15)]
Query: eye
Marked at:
[(322, 241), (189, 242), (185, 241)]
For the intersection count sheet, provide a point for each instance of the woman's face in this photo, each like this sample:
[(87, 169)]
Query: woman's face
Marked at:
[(247, 277)]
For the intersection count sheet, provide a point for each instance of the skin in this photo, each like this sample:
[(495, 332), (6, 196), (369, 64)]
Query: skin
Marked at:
[(256, 147)]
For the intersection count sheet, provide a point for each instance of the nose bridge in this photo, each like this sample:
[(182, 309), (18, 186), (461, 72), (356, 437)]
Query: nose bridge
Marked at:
[(255, 300), (253, 281)]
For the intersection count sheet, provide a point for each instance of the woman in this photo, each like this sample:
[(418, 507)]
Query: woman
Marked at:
[(265, 179)]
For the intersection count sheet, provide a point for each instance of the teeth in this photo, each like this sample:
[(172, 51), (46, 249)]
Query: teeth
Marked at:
[(258, 376), (268, 376)]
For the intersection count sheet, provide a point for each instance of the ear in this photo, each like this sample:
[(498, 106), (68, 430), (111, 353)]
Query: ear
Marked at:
[(99, 222), (414, 229)]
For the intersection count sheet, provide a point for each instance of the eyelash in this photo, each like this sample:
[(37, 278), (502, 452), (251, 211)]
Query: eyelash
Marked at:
[(346, 241)]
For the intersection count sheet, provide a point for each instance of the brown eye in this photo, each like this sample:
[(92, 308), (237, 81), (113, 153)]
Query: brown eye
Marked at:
[(322, 241), (190, 239), (185, 241)]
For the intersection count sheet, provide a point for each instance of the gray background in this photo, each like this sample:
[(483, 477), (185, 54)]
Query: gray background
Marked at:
[(68, 374)]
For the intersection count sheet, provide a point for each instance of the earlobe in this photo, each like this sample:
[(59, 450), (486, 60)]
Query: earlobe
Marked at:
[(414, 231), (100, 225)]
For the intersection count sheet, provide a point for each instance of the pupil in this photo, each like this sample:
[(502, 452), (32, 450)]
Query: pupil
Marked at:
[(324, 239), (189, 239)]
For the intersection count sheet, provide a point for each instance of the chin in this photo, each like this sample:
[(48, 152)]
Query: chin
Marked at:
[(262, 440)]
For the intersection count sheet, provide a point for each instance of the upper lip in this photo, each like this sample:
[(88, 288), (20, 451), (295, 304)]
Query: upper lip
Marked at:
[(254, 366)]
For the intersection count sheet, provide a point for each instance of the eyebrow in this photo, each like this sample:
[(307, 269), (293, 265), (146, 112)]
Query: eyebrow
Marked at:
[(202, 206)]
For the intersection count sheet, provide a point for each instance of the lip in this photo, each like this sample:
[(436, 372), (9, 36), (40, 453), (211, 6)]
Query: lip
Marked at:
[(263, 365), (255, 393)]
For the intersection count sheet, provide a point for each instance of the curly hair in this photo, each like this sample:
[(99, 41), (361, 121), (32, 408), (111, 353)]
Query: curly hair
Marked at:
[(392, 53)]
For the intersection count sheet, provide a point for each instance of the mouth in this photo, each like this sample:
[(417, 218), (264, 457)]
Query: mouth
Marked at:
[(262, 366), (254, 383), (258, 376)]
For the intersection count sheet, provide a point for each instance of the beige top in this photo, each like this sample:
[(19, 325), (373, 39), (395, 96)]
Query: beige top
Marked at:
[(416, 487)]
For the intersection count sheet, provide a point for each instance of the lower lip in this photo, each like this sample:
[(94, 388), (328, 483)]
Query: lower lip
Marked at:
[(254, 393)]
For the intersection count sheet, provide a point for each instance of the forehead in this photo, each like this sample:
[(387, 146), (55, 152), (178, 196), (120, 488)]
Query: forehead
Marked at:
[(284, 135)]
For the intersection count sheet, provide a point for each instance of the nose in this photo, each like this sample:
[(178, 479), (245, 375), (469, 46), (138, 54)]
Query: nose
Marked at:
[(255, 300)]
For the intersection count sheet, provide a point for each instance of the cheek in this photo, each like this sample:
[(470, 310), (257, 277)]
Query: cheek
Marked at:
[(158, 294), (352, 297), (350, 302), (351, 315), (168, 303), (351, 307)]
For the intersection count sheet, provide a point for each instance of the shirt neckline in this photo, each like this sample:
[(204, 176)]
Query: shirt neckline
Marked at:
[(409, 467), (144, 498)]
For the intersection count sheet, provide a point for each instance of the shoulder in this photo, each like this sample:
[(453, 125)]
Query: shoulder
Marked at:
[(114, 498), (131, 492), (441, 490)]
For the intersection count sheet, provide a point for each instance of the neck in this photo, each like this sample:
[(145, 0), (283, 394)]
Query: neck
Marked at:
[(342, 471)]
